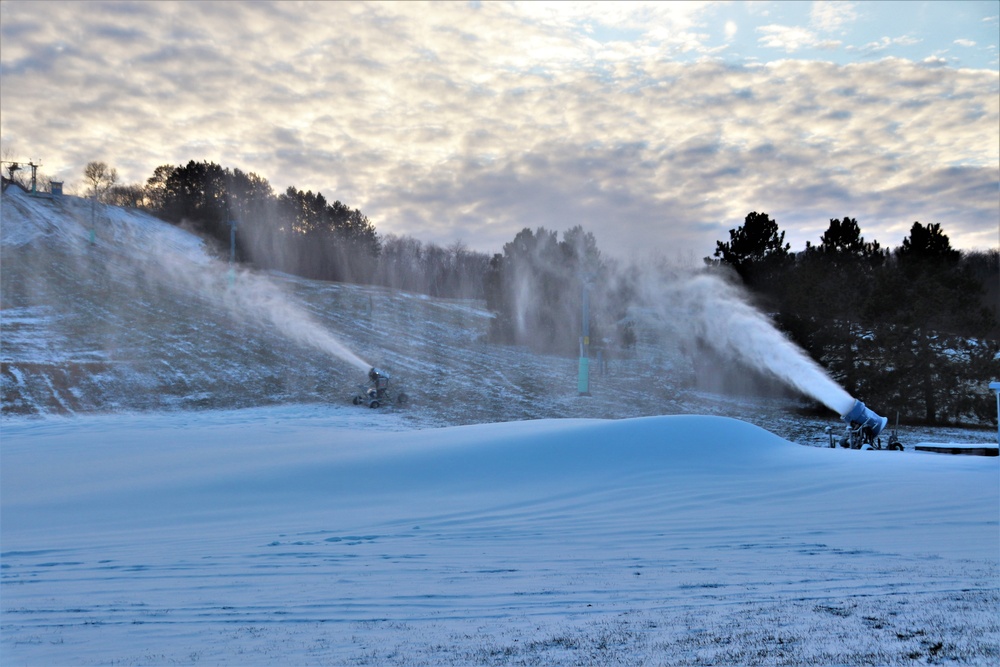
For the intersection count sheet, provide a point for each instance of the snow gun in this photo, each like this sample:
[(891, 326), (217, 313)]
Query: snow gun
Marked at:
[(862, 416), (863, 429), (377, 392)]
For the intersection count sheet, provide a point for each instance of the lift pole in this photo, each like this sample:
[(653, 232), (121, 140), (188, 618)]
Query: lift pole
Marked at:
[(583, 380), (34, 177), (995, 386)]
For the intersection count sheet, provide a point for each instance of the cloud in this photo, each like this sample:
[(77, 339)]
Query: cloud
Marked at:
[(824, 17), (831, 16), (965, 42), (449, 121), (793, 38), (787, 38), (883, 45)]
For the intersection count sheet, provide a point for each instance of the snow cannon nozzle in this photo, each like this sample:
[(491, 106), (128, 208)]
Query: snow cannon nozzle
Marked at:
[(864, 417)]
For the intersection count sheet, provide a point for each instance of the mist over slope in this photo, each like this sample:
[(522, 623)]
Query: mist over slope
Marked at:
[(119, 324), (148, 317), (142, 315)]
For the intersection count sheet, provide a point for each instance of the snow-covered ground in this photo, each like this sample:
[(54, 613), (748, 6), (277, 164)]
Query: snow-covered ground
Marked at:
[(318, 535), (148, 516)]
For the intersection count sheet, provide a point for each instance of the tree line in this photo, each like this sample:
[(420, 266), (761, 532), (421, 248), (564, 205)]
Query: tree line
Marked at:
[(534, 287), (297, 232)]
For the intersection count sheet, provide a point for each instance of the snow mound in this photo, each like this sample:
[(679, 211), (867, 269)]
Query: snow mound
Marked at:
[(323, 464), (142, 467), (263, 535)]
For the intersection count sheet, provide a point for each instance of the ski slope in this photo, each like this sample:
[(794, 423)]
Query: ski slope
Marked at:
[(184, 480), (148, 317), (311, 535)]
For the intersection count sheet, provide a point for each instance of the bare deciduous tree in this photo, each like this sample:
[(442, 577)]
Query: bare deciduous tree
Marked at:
[(100, 178), (127, 196)]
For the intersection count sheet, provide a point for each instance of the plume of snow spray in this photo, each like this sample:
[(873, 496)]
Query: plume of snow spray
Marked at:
[(706, 309), (147, 248), (246, 295), (254, 296)]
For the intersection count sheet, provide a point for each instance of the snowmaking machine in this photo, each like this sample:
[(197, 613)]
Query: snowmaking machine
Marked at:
[(377, 391), (864, 429)]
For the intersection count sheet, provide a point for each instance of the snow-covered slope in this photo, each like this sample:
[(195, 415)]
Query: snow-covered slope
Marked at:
[(306, 536), (142, 318), (147, 317)]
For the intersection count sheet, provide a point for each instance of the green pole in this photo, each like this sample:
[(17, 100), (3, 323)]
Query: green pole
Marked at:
[(583, 380), (995, 386)]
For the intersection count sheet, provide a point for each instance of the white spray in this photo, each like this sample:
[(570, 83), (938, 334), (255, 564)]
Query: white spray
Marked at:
[(245, 295), (705, 308), (255, 297)]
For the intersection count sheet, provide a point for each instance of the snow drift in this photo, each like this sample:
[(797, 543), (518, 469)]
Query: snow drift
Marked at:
[(247, 537)]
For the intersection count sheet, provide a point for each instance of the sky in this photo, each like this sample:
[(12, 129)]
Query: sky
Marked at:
[(656, 126)]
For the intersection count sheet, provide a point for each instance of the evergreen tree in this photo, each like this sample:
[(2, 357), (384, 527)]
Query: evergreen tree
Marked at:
[(298, 232), (756, 250), (927, 246), (156, 188), (196, 194), (843, 241), (931, 326), (824, 295)]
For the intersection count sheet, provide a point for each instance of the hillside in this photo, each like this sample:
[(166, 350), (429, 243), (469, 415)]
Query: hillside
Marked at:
[(148, 317)]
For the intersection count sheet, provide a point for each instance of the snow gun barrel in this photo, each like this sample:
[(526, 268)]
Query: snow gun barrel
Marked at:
[(861, 415)]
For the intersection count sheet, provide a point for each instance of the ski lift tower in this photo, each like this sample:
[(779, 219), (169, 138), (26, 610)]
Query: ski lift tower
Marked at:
[(12, 168), (34, 176), (16, 166)]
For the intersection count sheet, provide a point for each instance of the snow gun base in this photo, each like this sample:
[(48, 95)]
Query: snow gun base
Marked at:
[(863, 430)]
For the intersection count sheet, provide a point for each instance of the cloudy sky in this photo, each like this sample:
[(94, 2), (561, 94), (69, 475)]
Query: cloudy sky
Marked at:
[(657, 126)]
